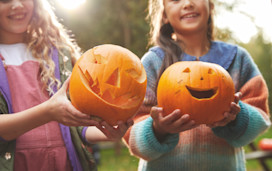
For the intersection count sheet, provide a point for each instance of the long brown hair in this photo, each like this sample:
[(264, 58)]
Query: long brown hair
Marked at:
[(45, 32), (161, 33)]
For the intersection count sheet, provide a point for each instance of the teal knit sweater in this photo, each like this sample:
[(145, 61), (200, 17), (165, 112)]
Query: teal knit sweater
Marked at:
[(203, 148)]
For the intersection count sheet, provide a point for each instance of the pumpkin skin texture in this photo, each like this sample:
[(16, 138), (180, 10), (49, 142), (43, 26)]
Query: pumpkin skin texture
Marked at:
[(109, 83), (202, 90)]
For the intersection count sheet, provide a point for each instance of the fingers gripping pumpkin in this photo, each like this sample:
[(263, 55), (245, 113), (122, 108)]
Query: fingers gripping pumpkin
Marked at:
[(109, 82), (202, 90)]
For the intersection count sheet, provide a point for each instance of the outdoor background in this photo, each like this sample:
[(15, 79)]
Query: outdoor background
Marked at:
[(122, 22)]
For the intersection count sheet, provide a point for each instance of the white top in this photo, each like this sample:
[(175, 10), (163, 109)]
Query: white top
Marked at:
[(15, 54)]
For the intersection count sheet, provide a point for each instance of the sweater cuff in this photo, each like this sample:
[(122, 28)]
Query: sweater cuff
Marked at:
[(236, 128), (147, 142)]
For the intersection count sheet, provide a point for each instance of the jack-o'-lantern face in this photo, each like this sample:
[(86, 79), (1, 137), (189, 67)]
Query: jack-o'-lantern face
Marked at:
[(114, 76), (201, 89)]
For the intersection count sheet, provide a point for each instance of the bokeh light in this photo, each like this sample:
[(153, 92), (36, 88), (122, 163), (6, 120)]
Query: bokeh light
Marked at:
[(71, 4)]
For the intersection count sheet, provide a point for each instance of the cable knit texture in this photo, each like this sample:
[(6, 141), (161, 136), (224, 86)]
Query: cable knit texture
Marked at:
[(203, 148)]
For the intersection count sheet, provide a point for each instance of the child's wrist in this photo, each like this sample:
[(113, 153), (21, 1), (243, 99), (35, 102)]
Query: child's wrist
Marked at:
[(159, 132), (49, 111)]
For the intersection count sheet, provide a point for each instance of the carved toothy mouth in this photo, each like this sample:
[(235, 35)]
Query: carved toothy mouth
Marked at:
[(202, 93)]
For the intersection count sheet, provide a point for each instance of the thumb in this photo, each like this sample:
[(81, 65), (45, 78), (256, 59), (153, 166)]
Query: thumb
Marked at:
[(155, 111), (237, 97), (65, 85)]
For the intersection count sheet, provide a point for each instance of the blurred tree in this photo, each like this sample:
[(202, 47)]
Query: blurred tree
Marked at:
[(119, 22)]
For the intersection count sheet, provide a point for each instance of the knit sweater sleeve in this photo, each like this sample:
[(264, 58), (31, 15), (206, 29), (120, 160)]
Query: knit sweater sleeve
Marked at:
[(140, 138), (253, 118)]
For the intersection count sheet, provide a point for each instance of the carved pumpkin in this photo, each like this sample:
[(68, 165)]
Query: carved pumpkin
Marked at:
[(109, 82), (202, 90)]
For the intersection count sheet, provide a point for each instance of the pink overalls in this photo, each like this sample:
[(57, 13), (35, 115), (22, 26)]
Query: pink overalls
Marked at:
[(43, 148)]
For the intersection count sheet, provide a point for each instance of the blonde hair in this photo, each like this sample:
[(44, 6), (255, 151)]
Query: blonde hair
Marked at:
[(44, 33)]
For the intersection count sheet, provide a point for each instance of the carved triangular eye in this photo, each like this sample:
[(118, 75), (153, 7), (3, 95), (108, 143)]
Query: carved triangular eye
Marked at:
[(114, 78), (187, 70), (93, 84), (211, 71)]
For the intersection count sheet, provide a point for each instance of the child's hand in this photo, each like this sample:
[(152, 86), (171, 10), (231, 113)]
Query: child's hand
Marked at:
[(172, 123), (115, 133), (231, 115), (61, 110)]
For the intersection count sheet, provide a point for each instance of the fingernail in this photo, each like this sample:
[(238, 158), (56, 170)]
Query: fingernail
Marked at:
[(186, 115), (159, 109)]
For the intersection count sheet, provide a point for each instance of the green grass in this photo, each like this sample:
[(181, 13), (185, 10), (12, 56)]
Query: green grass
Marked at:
[(253, 165), (110, 161)]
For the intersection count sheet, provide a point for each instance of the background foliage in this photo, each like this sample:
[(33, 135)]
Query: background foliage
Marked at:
[(119, 22)]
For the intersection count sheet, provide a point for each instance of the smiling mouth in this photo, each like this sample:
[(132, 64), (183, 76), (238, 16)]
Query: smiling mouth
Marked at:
[(202, 93), (17, 16), (189, 16)]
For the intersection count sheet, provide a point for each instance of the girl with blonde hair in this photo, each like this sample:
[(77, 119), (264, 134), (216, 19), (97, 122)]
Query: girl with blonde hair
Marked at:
[(39, 128)]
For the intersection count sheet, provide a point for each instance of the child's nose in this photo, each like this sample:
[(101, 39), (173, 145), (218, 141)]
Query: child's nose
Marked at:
[(16, 4), (187, 3)]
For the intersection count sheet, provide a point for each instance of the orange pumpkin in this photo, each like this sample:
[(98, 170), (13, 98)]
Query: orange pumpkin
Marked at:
[(265, 144), (108, 82), (202, 90)]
